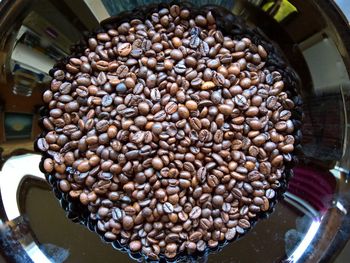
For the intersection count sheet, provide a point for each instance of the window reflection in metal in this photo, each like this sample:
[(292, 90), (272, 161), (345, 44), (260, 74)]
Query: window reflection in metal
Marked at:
[(280, 9)]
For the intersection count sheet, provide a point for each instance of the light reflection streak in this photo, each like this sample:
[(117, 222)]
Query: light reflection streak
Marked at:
[(305, 243)]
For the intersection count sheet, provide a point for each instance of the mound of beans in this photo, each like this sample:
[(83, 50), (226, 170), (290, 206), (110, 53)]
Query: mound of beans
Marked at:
[(172, 135)]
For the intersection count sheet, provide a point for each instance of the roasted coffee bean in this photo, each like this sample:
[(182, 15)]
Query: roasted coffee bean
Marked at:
[(172, 135), (121, 88), (64, 185), (65, 88), (128, 222), (240, 100), (170, 108), (195, 212), (168, 208), (42, 144), (218, 201), (176, 54), (230, 234), (202, 174), (201, 246), (124, 49), (237, 193), (107, 100), (244, 223), (180, 68), (48, 165), (270, 193), (225, 109), (135, 245), (205, 224), (195, 41), (102, 126)]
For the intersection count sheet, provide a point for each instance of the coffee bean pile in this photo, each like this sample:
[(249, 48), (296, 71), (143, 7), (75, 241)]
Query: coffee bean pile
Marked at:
[(171, 134)]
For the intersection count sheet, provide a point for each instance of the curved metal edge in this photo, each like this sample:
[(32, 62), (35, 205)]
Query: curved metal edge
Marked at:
[(28, 251), (12, 13), (341, 25)]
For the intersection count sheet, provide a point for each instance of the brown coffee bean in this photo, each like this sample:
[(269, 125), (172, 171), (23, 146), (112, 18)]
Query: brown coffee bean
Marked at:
[(176, 54), (83, 167), (191, 105), (218, 201), (208, 85), (128, 222), (171, 107), (159, 116), (240, 100), (244, 223), (168, 208), (262, 52), (225, 109), (124, 49), (42, 145), (195, 212), (157, 163), (270, 193), (277, 160), (129, 83), (64, 185), (230, 234), (183, 112), (48, 165), (256, 124), (102, 126)]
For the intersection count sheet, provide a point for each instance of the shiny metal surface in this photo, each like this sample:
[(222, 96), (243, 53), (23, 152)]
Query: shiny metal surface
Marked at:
[(311, 224)]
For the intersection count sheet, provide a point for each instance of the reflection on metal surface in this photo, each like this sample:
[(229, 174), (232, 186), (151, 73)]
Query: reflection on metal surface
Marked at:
[(11, 175), (341, 207), (16, 234), (305, 243), (325, 63), (279, 10), (302, 205), (344, 6), (98, 9), (35, 253)]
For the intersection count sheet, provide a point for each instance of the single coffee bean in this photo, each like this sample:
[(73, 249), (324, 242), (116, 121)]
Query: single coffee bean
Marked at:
[(195, 212), (191, 105), (48, 165), (180, 68), (42, 145), (135, 245), (124, 49), (168, 208), (157, 163), (230, 234), (270, 193), (244, 223), (225, 109), (183, 112), (128, 222), (64, 185), (240, 100), (176, 54)]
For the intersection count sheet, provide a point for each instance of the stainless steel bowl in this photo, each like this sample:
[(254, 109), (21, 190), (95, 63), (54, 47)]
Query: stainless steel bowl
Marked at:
[(311, 224)]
